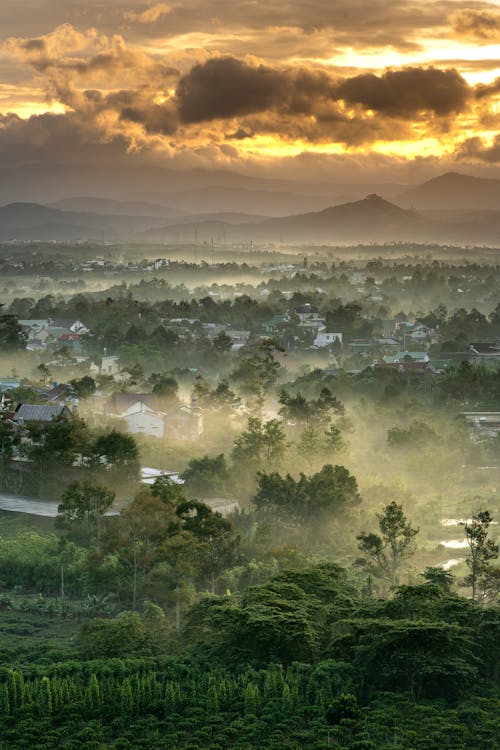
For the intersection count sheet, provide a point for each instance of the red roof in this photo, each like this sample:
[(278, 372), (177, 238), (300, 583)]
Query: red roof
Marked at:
[(69, 337)]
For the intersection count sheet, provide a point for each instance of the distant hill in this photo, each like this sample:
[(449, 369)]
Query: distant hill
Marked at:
[(370, 219), (32, 221), (453, 192), (116, 208)]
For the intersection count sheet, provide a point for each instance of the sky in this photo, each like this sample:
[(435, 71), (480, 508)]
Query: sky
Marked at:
[(312, 89)]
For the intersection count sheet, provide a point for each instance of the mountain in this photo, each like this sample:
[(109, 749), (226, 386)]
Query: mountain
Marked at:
[(453, 191), (371, 219), (115, 208), (32, 221)]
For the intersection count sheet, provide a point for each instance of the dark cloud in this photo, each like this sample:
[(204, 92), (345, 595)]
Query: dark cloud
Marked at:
[(56, 138), (225, 87), (409, 91), (476, 149), (480, 25), (485, 90)]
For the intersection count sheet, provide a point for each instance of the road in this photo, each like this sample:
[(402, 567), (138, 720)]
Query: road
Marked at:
[(47, 508)]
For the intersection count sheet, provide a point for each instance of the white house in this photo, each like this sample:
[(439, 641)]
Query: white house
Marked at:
[(326, 339), (146, 422)]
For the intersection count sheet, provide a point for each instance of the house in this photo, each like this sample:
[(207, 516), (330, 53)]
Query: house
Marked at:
[(71, 341), (406, 357), (306, 312), (35, 325), (61, 393), (40, 413), (145, 422), (276, 323), (420, 332), (71, 325), (327, 339), (123, 404)]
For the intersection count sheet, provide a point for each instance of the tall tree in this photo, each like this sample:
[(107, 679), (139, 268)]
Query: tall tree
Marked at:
[(387, 550), (482, 551), (262, 444), (84, 503)]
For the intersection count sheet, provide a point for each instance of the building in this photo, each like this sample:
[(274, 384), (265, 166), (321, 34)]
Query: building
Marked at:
[(327, 339), (40, 413), (145, 422), (150, 475)]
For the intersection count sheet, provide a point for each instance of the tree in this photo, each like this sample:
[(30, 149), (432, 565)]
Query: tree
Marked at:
[(136, 535), (83, 387), (12, 334), (387, 550), (481, 551), (59, 442), (219, 543), (206, 475), (261, 444), (84, 503), (9, 437), (326, 495), (317, 411), (117, 451), (222, 342), (258, 371), (165, 387), (44, 372)]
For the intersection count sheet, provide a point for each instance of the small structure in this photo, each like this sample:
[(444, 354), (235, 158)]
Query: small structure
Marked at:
[(324, 338), (8, 384), (484, 352), (150, 475), (40, 413), (482, 424), (222, 505)]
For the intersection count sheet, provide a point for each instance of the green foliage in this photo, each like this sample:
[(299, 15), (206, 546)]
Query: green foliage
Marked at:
[(261, 445), (206, 476), (125, 635), (387, 550)]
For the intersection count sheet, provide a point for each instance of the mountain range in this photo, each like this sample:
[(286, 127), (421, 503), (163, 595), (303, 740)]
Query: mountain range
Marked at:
[(450, 208)]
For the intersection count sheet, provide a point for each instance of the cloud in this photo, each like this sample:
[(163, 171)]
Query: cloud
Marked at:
[(476, 149), (408, 91), (150, 15), (225, 87), (480, 25)]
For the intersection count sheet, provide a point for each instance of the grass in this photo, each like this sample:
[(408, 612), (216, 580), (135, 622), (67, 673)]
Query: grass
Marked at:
[(12, 524)]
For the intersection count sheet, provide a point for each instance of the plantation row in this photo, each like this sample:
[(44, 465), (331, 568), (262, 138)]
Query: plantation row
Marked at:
[(132, 704)]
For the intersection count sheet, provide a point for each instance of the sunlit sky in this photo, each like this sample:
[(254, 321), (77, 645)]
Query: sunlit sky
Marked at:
[(390, 88)]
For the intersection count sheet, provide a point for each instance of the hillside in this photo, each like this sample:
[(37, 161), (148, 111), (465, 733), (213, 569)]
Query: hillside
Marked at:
[(453, 191)]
